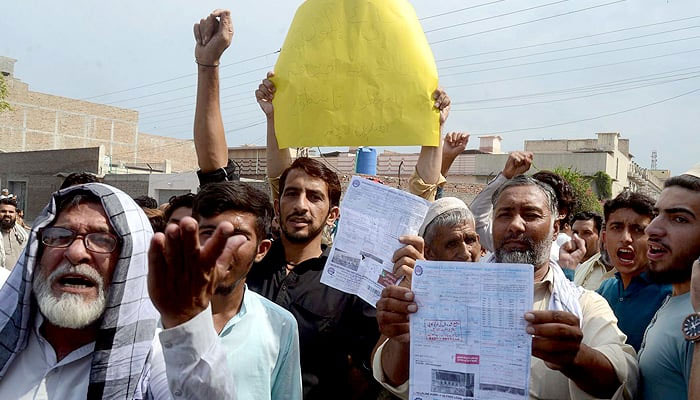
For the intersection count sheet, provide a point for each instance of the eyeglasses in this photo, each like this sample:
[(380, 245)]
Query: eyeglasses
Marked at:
[(98, 242)]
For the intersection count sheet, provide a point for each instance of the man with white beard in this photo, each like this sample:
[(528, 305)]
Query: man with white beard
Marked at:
[(76, 320)]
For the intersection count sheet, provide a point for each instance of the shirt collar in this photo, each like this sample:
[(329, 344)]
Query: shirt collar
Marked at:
[(50, 352), (245, 305), (548, 280), (644, 277), (277, 255)]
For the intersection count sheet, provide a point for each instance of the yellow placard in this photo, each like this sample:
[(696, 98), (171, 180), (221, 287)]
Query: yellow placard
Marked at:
[(356, 73)]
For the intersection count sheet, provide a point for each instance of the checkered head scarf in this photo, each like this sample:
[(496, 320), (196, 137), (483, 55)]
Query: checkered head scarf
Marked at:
[(128, 324)]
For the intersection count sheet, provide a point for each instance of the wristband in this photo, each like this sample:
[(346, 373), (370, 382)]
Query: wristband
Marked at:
[(206, 65)]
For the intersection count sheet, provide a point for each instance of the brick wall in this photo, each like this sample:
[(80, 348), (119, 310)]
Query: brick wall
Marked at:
[(154, 148), (41, 121)]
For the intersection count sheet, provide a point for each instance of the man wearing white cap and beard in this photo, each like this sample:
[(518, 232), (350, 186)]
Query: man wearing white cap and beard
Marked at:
[(448, 233)]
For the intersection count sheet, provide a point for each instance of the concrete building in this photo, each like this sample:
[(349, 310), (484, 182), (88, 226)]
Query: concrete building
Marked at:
[(39, 121), (606, 152), (34, 175)]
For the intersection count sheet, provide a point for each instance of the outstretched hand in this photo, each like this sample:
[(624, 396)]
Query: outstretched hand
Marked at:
[(182, 274), (213, 35), (265, 94)]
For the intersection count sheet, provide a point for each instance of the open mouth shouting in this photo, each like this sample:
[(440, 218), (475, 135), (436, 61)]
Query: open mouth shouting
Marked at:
[(626, 256), (74, 283), (80, 279), (656, 250)]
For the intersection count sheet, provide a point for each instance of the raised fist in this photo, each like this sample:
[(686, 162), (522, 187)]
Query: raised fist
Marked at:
[(455, 143), (213, 35), (518, 163)]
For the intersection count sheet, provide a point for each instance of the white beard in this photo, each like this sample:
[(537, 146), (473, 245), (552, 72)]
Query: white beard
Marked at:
[(70, 310), (538, 254)]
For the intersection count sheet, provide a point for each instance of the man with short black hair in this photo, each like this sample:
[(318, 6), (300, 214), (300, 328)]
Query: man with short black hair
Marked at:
[(80, 178), (587, 225), (260, 338), (146, 202), (623, 236), (670, 341), (631, 293), (13, 237), (178, 208)]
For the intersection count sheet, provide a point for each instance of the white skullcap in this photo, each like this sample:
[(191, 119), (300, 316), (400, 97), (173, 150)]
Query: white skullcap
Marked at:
[(695, 171), (439, 207)]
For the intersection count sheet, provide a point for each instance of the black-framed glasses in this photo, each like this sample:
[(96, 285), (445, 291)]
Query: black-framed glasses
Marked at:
[(98, 242)]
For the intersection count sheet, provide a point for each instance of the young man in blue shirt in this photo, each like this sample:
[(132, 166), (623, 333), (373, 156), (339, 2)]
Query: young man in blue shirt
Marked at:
[(666, 355), (632, 295), (260, 338)]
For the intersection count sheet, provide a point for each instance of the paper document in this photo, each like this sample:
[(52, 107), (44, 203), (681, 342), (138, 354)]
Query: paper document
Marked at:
[(372, 218), (468, 338)]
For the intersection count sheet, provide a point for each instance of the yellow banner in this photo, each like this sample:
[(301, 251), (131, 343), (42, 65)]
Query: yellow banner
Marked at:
[(356, 73)]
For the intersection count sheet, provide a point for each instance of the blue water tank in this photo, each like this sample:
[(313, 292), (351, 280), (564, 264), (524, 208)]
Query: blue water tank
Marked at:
[(366, 161)]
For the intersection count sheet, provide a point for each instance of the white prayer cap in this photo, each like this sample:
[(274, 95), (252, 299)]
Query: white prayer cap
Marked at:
[(439, 207), (695, 171)]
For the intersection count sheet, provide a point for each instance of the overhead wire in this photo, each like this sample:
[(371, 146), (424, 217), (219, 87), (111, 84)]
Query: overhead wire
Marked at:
[(566, 58), (143, 114), (278, 51), (460, 10), (495, 16), (455, 38), (156, 112), (569, 39), (526, 22), (190, 122), (572, 69), (578, 97), (607, 84), (596, 117), (189, 97), (178, 77), (585, 46), (187, 114), (183, 142), (186, 87), (191, 109)]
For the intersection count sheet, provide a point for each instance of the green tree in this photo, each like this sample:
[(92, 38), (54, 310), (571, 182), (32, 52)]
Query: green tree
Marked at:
[(603, 185), (4, 105), (581, 184)]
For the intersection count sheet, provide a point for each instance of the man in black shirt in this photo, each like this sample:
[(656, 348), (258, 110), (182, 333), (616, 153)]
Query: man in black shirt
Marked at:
[(336, 330)]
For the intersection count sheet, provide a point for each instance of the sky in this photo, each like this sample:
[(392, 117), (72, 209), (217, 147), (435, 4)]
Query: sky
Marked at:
[(545, 69)]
